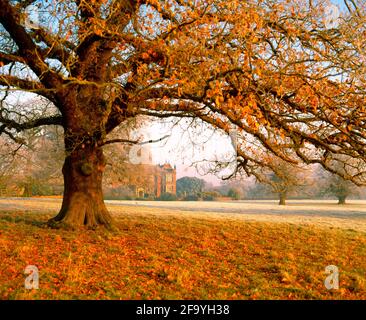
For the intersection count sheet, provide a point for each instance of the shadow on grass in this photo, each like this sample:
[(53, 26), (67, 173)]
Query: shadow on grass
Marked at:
[(9, 217), (27, 218)]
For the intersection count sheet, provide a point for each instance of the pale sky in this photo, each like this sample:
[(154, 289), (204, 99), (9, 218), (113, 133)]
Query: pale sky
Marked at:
[(186, 145)]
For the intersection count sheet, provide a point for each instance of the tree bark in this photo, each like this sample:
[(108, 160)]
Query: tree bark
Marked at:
[(341, 200), (83, 203), (282, 201)]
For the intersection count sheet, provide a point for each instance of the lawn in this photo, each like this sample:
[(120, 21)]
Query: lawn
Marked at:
[(166, 253)]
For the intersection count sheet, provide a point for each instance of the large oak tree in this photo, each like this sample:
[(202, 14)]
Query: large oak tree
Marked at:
[(291, 86)]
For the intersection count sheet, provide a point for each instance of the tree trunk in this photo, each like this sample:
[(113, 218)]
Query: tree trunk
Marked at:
[(341, 200), (83, 203), (282, 199)]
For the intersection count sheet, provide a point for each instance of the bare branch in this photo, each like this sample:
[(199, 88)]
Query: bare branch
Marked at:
[(134, 141)]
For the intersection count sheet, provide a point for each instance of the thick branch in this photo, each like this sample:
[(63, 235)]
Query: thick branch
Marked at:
[(56, 45), (10, 58), (10, 19), (11, 124), (26, 85)]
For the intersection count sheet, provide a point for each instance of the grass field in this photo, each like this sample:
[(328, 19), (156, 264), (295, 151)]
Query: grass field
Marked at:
[(248, 250)]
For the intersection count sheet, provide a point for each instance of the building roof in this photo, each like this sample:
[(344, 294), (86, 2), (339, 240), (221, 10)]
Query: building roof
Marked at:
[(166, 166)]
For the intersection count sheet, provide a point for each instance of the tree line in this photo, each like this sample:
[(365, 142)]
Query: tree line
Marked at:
[(36, 171)]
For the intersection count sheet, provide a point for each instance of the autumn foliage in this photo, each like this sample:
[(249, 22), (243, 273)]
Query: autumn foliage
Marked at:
[(274, 71)]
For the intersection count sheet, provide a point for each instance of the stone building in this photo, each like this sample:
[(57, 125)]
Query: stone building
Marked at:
[(153, 180), (144, 180)]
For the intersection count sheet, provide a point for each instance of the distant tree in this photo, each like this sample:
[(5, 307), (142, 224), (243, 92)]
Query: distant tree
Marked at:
[(340, 188), (210, 195), (7, 165), (234, 194), (190, 186), (6, 177), (192, 197), (167, 197), (259, 191), (35, 168), (336, 186), (284, 179), (237, 186)]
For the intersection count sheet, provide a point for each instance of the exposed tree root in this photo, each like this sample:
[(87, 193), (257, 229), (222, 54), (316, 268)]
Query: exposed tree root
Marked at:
[(82, 210)]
